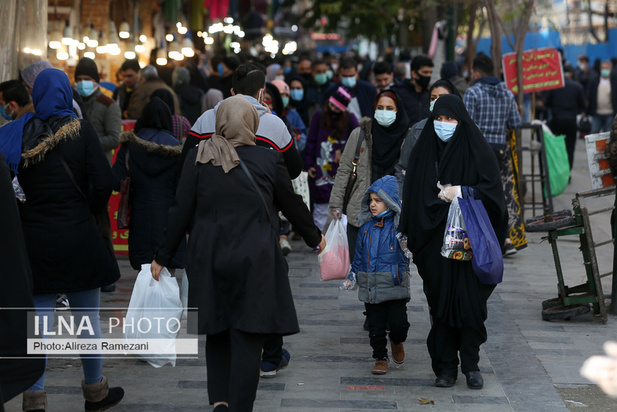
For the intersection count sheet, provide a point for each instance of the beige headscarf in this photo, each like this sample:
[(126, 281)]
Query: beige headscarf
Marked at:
[(236, 124)]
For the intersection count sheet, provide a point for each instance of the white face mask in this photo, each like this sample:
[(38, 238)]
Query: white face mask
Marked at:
[(385, 117), (430, 107), (280, 77), (444, 130)]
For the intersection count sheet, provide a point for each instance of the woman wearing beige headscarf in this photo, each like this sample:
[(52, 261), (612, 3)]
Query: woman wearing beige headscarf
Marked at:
[(227, 200)]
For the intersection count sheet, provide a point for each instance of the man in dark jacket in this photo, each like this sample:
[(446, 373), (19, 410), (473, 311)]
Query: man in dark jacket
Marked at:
[(129, 72), (362, 92), (602, 98), (414, 92), (565, 103), (315, 91)]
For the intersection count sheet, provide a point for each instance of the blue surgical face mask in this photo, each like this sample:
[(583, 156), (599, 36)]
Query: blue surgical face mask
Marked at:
[(296, 94), (321, 79), (605, 72), (4, 115), (444, 130), (286, 70), (430, 107), (329, 74), (220, 69), (385, 117), (85, 87), (285, 100), (382, 214), (349, 82)]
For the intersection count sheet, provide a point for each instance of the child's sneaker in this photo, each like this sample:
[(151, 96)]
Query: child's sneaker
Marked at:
[(381, 367), (398, 352), (269, 369)]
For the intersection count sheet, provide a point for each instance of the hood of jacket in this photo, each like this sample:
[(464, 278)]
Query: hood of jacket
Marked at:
[(387, 189), (493, 87), (43, 140), (149, 143)]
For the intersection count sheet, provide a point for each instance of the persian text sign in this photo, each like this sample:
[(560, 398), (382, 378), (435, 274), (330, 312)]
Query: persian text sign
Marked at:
[(541, 70)]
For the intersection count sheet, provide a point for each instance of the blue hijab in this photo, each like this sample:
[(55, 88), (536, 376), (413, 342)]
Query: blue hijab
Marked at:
[(52, 96)]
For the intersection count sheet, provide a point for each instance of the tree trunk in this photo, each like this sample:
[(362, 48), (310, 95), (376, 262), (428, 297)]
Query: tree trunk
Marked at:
[(470, 48), (493, 22)]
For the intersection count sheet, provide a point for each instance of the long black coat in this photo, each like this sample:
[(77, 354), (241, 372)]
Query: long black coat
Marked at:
[(16, 375), (67, 252), (237, 272), (153, 164)]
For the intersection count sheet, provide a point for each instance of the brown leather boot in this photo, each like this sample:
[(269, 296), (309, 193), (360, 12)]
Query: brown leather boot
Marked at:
[(99, 397), (34, 401), (381, 367), (398, 352)]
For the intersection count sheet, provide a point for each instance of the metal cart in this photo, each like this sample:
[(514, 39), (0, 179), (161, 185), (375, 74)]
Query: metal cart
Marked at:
[(575, 300)]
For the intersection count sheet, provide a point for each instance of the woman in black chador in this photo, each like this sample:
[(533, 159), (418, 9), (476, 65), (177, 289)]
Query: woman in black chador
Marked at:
[(451, 150)]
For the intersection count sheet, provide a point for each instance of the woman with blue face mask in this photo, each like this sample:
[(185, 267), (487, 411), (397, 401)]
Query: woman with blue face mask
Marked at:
[(437, 89), (382, 137), (451, 159)]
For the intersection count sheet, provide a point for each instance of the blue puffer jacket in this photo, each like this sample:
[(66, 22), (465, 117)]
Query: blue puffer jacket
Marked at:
[(381, 268)]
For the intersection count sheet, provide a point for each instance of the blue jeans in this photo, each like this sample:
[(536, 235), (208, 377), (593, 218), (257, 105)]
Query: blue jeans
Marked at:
[(601, 123), (91, 299)]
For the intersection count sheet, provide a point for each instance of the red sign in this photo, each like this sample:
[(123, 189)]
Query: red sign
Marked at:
[(541, 70), (120, 238)]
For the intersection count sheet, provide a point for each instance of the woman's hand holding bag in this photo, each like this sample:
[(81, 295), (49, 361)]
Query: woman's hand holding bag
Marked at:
[(334, 259)]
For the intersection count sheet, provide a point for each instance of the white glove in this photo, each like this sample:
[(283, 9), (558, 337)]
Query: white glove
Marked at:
[(602, 370), (350, 283), (447, 193)]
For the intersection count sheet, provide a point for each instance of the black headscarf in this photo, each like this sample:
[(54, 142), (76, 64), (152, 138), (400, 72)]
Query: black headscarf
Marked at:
[(466, 160), (166, 96), (387, 141), (155, 115)]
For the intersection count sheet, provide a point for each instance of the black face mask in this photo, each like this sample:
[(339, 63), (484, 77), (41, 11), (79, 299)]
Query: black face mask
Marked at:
[(334, 114), (423, 81)]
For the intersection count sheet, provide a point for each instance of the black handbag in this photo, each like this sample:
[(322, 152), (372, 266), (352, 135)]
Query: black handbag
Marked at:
[(353, 176)]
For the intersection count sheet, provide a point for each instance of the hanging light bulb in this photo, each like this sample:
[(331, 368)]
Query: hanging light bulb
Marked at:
[(93, 38), (67, 34), (161, 56), (175, 51), (89, 53), (125, 30), (143, 38), (112, 39), (187, 47), (130, 54), (62, 53), (55, 40)]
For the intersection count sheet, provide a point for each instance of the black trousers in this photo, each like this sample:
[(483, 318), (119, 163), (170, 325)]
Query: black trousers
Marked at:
[(446, 342), (566, 126), (352, 237), (392, 313), (273, 349), (233, 361)]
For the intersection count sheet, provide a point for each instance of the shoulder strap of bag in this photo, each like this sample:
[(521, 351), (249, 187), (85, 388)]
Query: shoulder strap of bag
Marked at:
[(126, 163), (263, 199), (68, 171), (354, 171)]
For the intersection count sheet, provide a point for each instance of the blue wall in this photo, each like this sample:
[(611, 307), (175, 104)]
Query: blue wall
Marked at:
[(536, 40)]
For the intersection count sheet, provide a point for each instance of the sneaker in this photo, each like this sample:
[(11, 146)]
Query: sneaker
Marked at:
[(285, 246), (62, 302), (381, 367), (509, 250), (269, 369), (398, 352)]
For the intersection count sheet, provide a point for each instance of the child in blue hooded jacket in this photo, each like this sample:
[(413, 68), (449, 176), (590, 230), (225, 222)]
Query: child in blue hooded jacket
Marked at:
[(382, 272)]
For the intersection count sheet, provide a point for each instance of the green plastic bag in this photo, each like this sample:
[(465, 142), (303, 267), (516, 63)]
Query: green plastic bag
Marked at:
[(557, 159)]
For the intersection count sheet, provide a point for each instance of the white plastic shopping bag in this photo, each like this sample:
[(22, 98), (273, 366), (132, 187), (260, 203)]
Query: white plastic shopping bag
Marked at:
[(334, 260), (154, 316), (184, 293), (456, 243)]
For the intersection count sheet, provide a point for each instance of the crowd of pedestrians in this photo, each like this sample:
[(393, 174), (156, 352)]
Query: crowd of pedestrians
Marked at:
[(211, 158)]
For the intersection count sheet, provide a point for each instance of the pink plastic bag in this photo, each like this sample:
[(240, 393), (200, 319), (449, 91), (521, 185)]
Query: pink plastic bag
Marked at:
[(334, 260)]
